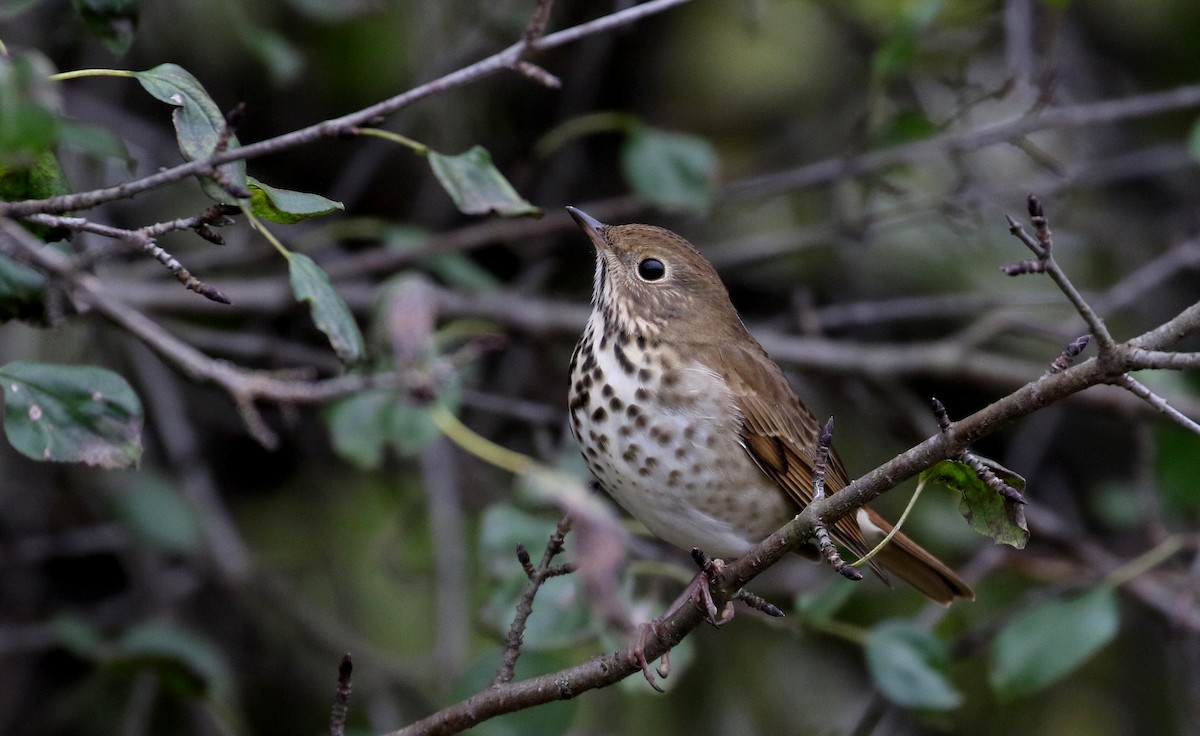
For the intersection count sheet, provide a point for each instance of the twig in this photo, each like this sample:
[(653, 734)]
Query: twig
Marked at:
[(537, 576), (341, 698), (1140, 390), (142, 239), (1042, 246)]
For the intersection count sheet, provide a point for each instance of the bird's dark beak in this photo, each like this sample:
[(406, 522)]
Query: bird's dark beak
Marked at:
[(590, 225)]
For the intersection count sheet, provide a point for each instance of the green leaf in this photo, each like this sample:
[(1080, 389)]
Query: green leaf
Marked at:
[(910, 666), (1175, 468), (477, 186), (112, 21), (29, 103), (156, 513), (1194, 140), (358, 427), (818, 607), (21, 291), (673, 171), (1047, 642), (329, 311), (286, 206), (988, 512), (198, 122), (190, 664), (71, 413)]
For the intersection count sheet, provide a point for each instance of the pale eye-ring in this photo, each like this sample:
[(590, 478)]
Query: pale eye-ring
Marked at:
[(651, 269)]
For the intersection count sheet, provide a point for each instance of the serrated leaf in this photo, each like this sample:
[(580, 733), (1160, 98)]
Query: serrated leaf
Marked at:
[(198, 122), (672, 171), (329, 311), (988, 512), (286, 206), (477, 186), (911, 666), (69, 413), (112, 21), (1042, 645)]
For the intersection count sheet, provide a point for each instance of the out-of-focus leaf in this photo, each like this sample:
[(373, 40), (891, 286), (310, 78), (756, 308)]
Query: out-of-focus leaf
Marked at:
[(1176, 468), (362, 426), (895, 56), (358, 427), (673, 171), (156, 513), (286, 206), (114, 22), (21, 291), (1047, 642), (29, 104), (330, 313), (821, 606), (988, 512), (41, 177), (1194, 140), (71, 413), (905, 127), (190, 664), (95, 141), (198, 122), (551, 719), (911, 666), (477, 186)]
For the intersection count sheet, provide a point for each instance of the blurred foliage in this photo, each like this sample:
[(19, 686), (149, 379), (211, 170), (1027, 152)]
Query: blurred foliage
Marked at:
[(216, 587)]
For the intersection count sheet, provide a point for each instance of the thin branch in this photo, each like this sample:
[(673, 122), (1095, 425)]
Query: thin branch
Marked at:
[(1070, 116), (143, 240), (334, 127), (1042, 246), (537, 576), (341, 698), (1140, 390)]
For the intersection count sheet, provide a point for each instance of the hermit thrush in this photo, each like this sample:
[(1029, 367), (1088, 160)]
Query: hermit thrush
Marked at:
[(685, 420)]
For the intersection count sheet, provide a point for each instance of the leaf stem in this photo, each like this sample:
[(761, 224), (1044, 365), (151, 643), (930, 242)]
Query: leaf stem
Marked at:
[(481, 447), (1146, 561), (417, 147), (895, 529), (257, 225), (79, 73)]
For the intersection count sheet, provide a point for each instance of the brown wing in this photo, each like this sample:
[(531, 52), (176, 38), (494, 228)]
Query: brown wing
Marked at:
[(781, 434)]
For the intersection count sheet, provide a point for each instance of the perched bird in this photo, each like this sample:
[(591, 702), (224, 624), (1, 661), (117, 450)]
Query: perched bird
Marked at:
[(687, 422)]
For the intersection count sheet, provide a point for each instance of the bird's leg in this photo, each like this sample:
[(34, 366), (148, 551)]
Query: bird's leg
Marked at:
[(698, 592), (700, 589), (824, 544)]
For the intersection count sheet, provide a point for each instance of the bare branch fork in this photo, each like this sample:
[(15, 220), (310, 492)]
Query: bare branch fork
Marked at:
[(1042, 245), (537, 576), (952, 440)]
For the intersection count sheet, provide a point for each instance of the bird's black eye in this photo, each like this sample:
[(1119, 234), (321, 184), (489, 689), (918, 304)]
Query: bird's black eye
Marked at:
[(651, 269)]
